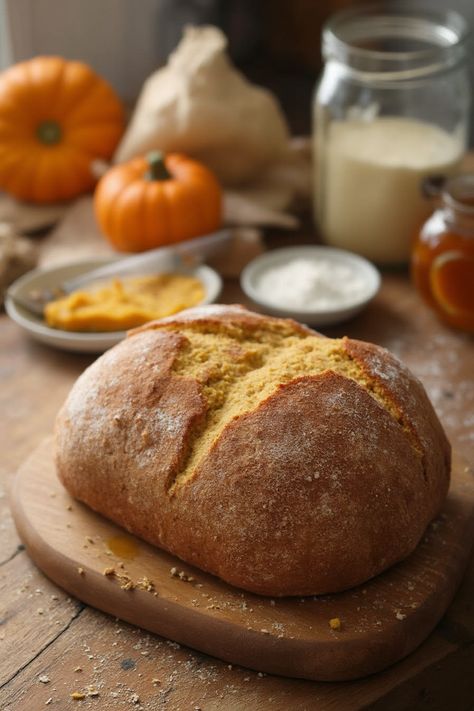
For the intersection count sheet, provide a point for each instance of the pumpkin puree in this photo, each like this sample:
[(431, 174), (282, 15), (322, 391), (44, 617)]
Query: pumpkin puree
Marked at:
[(124, 303)]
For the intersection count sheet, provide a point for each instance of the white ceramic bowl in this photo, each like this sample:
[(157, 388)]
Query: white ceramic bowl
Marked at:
[(270, 303), (75, 341)]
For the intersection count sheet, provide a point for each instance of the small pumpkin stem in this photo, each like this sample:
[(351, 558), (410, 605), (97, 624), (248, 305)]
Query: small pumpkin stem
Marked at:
[(156, 166), (49, 132)]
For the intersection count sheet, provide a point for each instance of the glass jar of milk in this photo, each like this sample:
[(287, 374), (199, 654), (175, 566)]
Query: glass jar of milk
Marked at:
[(392, 107)]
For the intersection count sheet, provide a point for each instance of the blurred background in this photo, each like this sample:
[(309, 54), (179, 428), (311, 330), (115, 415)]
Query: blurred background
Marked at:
[(276, 43)]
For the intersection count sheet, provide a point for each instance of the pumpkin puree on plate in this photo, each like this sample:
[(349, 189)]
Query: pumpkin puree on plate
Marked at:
[(124, 303)]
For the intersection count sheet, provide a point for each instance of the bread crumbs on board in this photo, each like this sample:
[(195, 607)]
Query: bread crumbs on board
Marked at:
[(77, 695), (175, 573), (126, 583), (335, 623)]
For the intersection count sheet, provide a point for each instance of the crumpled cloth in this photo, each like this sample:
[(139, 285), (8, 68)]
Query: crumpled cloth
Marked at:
[(277, 197)]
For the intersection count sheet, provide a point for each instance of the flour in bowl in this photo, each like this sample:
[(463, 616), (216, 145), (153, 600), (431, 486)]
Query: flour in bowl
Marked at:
[(312, 285)]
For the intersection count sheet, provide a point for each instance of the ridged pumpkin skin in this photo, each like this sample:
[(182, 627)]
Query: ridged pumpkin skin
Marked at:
[(56, 118), (138, 211)]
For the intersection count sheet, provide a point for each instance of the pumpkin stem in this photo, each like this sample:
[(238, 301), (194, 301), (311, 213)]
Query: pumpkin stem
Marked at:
[(156, 166), (49, 132)]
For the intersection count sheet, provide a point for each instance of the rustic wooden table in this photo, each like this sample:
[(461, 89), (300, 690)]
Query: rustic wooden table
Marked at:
[(52, 645)]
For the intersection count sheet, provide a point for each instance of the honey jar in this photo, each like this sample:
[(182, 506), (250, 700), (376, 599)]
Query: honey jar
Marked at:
[(442, 262)]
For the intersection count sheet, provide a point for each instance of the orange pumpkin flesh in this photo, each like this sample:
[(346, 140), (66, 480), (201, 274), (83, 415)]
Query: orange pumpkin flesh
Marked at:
[(150, 202), (56, 118)]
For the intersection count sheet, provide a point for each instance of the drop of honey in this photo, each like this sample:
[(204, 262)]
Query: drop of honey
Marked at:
[(123, 547)]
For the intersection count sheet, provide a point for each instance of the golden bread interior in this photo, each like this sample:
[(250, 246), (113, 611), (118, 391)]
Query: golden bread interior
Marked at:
[(239, 367)]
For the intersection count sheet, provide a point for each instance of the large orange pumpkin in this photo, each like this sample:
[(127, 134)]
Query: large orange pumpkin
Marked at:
[(153, 201), (56, 118)]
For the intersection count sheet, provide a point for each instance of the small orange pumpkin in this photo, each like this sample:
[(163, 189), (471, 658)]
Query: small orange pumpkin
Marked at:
[(56, 118), (153, 201)]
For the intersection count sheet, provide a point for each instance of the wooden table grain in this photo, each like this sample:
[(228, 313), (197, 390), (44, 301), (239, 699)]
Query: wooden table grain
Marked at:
[(52, 646)]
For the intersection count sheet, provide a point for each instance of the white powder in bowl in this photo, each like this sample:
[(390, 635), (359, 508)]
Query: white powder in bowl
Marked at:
[(308, 285)]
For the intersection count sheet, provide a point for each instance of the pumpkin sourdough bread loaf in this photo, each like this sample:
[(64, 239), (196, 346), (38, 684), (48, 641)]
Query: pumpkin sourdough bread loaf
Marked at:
[(284, 462)]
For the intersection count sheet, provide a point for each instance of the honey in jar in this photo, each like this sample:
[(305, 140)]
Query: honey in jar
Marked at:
[(442, 261)]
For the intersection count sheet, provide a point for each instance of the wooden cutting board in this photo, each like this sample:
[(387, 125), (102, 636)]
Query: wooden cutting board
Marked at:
[(380, 622)]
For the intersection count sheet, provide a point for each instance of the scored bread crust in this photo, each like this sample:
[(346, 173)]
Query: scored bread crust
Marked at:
[(327, 480)]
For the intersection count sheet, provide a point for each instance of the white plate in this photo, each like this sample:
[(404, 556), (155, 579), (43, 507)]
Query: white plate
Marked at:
[(76, 341), (275, 258)]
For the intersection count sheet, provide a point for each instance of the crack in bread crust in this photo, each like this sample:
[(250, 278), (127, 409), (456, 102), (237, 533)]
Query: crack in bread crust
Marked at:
[(376, 388), (237, 369)]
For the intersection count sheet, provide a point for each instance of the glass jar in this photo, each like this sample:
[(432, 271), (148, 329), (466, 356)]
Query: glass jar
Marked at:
[(392, 107), (442, 263)]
